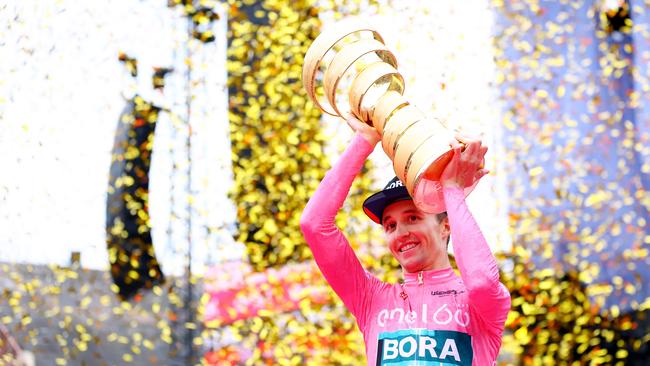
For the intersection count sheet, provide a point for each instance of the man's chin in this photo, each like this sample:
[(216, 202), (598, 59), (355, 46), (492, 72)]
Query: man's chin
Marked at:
[(411, 267)]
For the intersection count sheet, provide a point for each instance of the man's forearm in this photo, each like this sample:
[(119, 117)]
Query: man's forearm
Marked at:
[(332, 252), (475, 260)]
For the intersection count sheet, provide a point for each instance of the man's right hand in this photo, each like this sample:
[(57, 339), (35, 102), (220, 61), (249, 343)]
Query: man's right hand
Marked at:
[(368, 132)]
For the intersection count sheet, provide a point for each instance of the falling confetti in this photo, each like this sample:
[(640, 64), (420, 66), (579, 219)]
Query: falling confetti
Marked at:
[(573, 86), (277, 140), (577, 185)]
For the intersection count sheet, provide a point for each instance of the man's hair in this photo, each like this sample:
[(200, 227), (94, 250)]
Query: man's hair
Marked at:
[(441, 216)]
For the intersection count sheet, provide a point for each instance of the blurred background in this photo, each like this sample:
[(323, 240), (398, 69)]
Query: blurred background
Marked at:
[(156, 155)]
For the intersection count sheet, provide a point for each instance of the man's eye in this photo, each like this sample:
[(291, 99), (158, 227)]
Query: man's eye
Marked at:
[(389, 226), (413, 218)]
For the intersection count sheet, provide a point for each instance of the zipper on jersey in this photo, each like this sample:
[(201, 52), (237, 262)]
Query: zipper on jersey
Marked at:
[(421, 284)]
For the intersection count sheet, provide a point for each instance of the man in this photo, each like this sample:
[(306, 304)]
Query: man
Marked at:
[(433, 317)]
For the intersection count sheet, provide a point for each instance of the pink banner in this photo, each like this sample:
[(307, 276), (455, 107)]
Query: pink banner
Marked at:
[(236, 292)]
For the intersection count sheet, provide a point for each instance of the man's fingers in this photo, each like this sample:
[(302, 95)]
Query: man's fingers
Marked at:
[(484, 150), (454, 142), (466, 138), (480, 174), (350, 117), (471, 148), (457, 151)]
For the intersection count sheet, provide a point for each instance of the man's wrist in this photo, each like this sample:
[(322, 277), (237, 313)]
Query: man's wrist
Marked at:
[(451, 185), (372, 140)]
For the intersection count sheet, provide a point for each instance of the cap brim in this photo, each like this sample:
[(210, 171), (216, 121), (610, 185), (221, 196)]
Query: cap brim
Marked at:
[(374, 205)]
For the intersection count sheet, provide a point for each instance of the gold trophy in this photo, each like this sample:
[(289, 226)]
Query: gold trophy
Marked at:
[(351, 61)]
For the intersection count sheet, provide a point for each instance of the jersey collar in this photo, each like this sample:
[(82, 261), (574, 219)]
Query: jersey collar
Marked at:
[(430, 277)]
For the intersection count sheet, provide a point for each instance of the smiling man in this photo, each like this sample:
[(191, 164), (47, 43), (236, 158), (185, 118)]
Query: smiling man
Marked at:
[(418, 241), (432, 317)]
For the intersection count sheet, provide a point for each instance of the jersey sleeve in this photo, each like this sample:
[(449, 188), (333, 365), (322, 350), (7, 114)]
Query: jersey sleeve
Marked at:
[(477, 265), (332, 252)]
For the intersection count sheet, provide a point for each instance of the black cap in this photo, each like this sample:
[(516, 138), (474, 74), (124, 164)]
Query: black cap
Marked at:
[(374, 205)]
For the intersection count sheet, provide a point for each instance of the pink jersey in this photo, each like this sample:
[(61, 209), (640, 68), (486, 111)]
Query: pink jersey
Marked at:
[(433, 317)]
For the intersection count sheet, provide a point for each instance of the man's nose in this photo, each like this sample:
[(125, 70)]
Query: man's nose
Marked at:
[(401, 230)]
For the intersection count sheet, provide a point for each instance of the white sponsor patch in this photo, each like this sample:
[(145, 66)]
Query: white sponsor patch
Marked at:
[(440, 316)]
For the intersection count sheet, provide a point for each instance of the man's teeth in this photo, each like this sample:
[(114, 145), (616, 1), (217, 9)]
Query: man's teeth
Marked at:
[(407, 247)]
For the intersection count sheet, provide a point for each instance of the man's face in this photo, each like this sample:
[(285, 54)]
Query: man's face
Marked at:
[(416, 239)]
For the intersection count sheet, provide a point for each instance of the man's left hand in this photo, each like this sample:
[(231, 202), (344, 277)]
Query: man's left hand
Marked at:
[(467, 164)]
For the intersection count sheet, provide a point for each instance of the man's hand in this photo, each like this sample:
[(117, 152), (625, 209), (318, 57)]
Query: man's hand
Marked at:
[(369, 133), (466, 166)]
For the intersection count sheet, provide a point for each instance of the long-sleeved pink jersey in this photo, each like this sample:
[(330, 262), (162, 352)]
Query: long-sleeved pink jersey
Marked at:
[(433, 317)]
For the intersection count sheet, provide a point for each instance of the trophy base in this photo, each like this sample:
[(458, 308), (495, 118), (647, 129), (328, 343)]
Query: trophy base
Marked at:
[(427, 193)]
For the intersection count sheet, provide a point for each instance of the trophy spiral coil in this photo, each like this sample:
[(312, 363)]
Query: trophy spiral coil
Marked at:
[(348, 68)]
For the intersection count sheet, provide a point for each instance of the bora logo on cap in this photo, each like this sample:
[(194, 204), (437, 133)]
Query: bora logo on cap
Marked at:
[(395, 184)]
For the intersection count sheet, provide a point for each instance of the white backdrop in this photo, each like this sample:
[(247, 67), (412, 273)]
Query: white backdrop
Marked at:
[(62, 90)]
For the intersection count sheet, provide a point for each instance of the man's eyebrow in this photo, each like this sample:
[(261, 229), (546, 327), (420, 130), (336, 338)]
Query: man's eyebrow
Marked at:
[(409, 211)]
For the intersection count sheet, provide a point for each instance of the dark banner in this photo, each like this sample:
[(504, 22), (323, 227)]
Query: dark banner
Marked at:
[(128, 229)]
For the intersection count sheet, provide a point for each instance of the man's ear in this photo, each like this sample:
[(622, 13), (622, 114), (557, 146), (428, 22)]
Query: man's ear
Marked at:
[(445, 228)]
